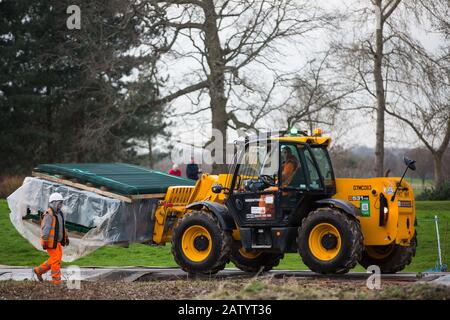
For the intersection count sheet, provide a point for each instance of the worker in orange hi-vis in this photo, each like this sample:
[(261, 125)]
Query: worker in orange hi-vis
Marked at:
[(290, 165), (53, 237)]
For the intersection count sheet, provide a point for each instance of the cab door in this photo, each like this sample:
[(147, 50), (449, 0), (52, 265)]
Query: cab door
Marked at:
[(300, 186), (293, 181), (254, 197)]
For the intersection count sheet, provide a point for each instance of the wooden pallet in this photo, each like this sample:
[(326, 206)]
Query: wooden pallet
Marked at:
[(101, 190)]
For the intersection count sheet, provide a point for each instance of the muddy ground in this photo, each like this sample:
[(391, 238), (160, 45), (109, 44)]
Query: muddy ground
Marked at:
[(261, 288)]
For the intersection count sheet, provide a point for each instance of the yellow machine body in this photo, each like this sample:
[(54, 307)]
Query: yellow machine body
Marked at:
[(399, 225), (173, 206)]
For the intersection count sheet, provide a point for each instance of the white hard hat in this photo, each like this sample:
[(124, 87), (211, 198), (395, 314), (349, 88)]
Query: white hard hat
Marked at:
[(55, 197)]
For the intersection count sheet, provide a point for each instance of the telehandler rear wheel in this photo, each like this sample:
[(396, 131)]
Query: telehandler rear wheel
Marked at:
[(254, 262), (330, 241), (199, 245), (391, 258)]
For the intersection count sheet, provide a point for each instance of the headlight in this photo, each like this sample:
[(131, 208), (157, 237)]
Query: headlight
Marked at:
[(384, 210)]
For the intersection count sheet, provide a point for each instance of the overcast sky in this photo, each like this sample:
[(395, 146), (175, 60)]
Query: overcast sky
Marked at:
[(294, 56)]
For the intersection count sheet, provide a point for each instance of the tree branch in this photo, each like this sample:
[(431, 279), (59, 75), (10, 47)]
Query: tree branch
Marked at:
[(181, 92)]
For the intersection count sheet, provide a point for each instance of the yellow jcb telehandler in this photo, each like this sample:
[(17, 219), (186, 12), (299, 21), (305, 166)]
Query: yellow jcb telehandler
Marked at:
[(281, 196)]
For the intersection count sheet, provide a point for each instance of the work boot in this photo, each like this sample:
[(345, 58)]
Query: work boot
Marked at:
[(38, 275)]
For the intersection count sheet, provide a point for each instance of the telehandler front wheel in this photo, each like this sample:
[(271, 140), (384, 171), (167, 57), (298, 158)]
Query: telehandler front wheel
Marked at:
[(329, 241), (253, 262), (391, 258), (199, 245)]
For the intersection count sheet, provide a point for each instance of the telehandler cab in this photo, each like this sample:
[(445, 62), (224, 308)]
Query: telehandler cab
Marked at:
[(282, 197)]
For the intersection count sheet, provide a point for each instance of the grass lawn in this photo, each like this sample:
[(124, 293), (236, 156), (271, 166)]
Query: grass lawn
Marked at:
[(15, 250)]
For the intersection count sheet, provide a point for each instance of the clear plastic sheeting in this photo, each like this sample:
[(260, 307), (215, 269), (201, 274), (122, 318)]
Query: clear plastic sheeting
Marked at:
[(111, 221)]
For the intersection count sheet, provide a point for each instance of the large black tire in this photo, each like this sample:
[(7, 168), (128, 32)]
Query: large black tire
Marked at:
[(261, 262), (345, 254), (391, 258), (220, 250)]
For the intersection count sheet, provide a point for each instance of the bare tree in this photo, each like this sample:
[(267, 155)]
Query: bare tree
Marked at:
[(439, 12), (417, 78), (225, 37), (384, 9), (423, 104), (318, 95), (366, 60)]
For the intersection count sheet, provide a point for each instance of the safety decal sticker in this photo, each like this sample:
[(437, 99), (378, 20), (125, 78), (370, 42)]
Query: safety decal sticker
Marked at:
[(260, 213), (269, 199), (404, 204), (357, 198), (362, 187), (389, 190), (258, 210), (364, 207), (252, 200)]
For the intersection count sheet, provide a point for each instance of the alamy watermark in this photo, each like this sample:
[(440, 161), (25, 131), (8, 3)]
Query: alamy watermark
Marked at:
[(257, 147), (73, 22), (378, 16), (374, 280), (73, 276)]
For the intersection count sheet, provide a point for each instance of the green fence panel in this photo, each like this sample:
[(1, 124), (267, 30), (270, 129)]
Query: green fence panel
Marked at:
[(126, 179)]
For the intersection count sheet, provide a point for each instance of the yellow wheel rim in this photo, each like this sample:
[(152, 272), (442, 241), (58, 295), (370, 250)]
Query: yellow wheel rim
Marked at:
[(379, 252), (319, 246), (249, 254), (196, 243)]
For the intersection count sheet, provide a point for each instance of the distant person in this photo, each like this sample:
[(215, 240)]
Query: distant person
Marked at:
[(53, 237), (192, 170), (175, 171)]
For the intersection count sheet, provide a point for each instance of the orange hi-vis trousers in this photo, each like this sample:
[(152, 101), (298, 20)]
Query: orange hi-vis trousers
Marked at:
[(53, 263)]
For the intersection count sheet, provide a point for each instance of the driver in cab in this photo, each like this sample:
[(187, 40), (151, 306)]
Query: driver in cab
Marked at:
[(290, 165)]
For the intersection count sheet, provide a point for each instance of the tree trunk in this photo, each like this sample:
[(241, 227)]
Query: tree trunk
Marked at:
[(381, 103), (216, 64), (49, 125), (438, 175), (150, 151), (79, 127)]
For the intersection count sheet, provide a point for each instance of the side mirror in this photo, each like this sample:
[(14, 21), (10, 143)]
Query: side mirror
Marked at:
[(410, 163), (217, 188)]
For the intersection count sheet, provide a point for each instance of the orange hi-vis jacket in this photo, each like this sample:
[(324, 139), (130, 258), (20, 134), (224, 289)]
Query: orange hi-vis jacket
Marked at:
[(289, 168), (287, 174), (54, 230)]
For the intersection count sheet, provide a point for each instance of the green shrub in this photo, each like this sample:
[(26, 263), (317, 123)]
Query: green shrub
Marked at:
[(441, 193)]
